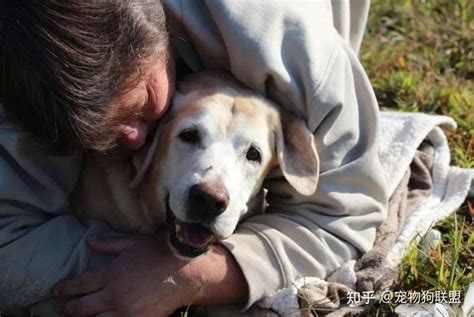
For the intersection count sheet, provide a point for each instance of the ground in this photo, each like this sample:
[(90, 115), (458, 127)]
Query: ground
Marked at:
[(419, 56)]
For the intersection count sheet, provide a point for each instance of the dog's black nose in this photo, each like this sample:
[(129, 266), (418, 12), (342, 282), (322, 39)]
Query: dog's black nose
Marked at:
[(208, 200)]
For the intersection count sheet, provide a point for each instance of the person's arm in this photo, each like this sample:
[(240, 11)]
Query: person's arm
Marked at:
[(147, 279), (40, 242), (291, 53)]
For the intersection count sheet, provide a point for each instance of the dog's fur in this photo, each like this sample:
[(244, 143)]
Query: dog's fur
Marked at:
[(206, 163)]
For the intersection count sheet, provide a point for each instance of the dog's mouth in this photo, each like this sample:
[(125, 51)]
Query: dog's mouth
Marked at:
[(189, 239)]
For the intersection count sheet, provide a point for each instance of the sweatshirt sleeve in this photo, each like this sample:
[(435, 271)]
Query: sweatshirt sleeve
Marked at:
[(41, 243), (291, 52)]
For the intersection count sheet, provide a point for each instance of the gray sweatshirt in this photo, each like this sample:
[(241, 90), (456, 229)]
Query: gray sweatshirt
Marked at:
[(301, 54)]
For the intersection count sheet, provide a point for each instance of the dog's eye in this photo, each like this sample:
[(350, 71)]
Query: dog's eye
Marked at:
[(253, 155), (190, 136)]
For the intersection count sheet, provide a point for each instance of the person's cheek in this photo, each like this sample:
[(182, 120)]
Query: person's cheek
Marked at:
[(158, 106), (160, 91)]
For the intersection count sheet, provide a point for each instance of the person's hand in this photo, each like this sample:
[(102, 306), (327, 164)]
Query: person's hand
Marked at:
[(146, 279)]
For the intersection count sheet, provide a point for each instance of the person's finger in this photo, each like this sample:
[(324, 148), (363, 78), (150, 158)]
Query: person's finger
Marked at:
[(89, 305), (109, 245), (83, 284)]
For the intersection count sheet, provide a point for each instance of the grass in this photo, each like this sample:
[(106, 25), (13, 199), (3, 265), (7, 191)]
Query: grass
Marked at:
[(419, 56), (437, 268)]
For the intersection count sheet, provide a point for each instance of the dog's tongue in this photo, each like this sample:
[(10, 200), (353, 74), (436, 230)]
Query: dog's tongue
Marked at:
[(193, 234)]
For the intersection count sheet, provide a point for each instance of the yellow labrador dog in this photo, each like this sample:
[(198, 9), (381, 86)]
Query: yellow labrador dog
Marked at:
[(204, 169)]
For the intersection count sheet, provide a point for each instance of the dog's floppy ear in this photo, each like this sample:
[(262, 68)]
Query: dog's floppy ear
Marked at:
[(143, 158), (297, 155)]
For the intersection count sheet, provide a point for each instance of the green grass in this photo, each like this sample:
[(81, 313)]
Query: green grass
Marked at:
[(448, 266), (419, 56)]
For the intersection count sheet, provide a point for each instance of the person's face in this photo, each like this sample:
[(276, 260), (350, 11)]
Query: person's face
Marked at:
[(151, 97)]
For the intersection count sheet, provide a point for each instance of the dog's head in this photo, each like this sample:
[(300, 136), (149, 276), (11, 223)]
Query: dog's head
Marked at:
[(211, 154)]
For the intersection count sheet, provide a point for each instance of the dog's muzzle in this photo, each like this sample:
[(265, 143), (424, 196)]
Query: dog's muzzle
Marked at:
[(189, 239), (206, 202)]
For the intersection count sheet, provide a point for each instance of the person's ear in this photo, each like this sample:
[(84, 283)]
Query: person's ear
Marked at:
[(297, 155)]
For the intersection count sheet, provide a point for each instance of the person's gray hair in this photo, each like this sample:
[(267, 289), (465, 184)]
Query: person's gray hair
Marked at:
[(63, 62)]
